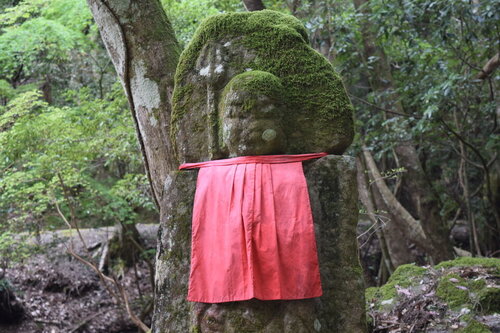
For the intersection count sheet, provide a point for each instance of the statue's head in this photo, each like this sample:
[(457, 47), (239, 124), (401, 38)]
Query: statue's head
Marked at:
[(251, 115), (250, 84)]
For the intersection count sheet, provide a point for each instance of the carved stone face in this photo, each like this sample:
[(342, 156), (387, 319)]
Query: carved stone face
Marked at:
[(251, 121)]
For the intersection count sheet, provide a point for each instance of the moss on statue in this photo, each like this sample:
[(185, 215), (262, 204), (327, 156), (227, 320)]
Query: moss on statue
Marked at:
[(179, 93), (256, 83), (313, 92)]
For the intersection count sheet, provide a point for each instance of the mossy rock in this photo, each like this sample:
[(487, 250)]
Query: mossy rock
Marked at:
[(471, 292), (317, 110), (454, 290), (489, 300), (470, 261), (404, 276), (463, 292), (475, 327)]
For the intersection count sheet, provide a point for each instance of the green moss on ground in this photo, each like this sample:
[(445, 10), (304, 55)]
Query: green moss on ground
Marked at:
[(475, 327), (463, 283), (470, 261), (484, 299), (403, 276), (449, 290), (489, 300)]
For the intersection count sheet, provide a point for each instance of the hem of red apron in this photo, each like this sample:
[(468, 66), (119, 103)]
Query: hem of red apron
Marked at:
[(224, 300)]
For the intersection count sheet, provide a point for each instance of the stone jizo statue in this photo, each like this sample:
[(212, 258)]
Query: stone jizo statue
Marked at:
[(250, 84)]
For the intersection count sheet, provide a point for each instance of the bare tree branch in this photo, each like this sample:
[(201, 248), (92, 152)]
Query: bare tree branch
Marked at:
[(414, 227), (489, 67), (253, 5)]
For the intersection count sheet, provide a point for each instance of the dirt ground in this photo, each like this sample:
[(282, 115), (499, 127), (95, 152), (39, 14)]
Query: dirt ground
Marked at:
[(60, 294)]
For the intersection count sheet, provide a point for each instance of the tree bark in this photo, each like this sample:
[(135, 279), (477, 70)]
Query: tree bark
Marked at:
[(489, 67), (419, 189), (366, 199), (397, 232), (253, 5), (142, 45)]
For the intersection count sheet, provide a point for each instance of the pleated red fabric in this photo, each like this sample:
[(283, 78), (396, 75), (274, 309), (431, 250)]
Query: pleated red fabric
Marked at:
[(252, 231)]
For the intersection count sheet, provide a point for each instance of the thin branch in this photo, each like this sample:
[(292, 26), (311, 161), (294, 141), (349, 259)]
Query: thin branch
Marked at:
[(416, 232), (382, 109), (121, 299), (67, 222), (139, 323)]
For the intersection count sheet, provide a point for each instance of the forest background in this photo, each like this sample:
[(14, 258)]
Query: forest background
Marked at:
[(421, 75)]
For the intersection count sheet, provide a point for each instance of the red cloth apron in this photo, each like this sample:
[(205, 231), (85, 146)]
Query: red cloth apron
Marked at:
[(252, 230)]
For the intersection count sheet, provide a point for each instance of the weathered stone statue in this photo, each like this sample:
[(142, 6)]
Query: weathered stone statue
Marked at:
[(249, 84)]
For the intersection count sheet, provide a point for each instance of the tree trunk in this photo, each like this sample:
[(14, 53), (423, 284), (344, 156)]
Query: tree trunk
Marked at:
[(398, 232), (142, 45), (253, 5), (422, 195)]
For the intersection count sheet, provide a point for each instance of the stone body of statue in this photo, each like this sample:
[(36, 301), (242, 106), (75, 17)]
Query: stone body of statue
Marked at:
[(250, 84)]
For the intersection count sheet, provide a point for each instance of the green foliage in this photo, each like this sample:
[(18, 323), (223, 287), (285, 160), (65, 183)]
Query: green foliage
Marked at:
[(74, 15), (66, 133), (83, 156), (38, 41), (435, 51), (185, 16), (22, 11), (13, 248), (34, 40)]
